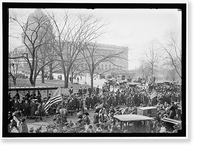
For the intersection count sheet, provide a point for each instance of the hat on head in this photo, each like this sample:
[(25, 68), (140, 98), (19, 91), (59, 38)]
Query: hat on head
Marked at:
[(23, 119)]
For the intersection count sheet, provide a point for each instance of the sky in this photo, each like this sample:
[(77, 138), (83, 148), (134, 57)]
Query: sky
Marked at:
[(134, 28)]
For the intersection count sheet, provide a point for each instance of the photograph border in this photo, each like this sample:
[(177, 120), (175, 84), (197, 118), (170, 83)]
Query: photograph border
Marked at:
[(180, 6)]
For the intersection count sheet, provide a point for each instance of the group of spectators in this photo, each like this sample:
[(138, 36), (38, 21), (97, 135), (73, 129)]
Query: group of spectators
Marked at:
[(105, 104)]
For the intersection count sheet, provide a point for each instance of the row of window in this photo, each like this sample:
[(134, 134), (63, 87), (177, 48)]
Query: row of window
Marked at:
[(108, 67), (104, 67)]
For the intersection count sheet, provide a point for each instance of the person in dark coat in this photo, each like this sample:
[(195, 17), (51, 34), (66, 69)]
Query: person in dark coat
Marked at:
[(80, 91), (49, 96), (172, 112), (90, 91), (71, 90), (87, 102), (33, 107), (97, 90), (28, 95), (17, 96), (85, 90), (16, 105), (96, 118), (86, 118), (26, 107), (136, 98)]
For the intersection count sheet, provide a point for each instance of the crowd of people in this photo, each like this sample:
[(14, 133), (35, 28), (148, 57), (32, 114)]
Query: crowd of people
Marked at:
[(105, 104)]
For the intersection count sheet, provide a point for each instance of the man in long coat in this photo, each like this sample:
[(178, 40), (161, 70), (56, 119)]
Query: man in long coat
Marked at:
[(33, 107), (26, 108)]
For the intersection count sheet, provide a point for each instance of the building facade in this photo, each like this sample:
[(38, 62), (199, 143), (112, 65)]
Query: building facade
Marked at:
[(118, 63)]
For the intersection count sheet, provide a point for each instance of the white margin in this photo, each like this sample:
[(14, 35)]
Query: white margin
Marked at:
[(106, 138)]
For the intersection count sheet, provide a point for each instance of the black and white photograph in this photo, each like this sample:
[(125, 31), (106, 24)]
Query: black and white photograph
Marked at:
[(100, 70)]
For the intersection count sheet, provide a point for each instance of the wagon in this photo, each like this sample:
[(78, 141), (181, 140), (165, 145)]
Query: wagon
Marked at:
[(133, 123)]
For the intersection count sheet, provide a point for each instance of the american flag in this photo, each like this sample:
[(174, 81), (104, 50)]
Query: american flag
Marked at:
[(57, 97), (153, 94)]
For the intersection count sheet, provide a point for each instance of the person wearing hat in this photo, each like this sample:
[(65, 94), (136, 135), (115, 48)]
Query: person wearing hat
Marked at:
[(173, 108), (49, 96), (17, 96), (25, 107), (80, 91), (97, 90), (71, 90), (96, 117), (86, 118), (33, 107)]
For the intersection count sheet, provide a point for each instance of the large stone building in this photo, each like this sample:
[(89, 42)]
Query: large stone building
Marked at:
[(115, 64)]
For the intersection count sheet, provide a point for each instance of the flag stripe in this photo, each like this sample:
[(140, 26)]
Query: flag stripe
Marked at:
[(52, 101), (56, 101), (153, 94)]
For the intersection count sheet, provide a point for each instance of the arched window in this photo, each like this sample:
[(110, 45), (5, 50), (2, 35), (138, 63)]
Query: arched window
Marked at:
[(109, 66), (106, 67)]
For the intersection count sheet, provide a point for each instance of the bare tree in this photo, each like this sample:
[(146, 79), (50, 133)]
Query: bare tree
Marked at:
[(152, 59), (78, 68), (34, 32), (93, 58), (13, 67), (143, 69), (174, 52), (70, 37)]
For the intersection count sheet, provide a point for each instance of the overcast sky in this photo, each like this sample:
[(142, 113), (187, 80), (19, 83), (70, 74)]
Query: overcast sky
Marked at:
[(134, 28)]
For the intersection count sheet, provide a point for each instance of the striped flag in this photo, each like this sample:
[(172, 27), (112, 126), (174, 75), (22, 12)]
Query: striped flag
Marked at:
[(57, 97), (153, 94)]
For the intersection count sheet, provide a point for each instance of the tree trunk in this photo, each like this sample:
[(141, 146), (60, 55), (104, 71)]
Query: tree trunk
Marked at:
[(42, 75), (14, 81), (32, 82), (92, 80), (72, 77), (31, 79), (50, 71), (67, 80)]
